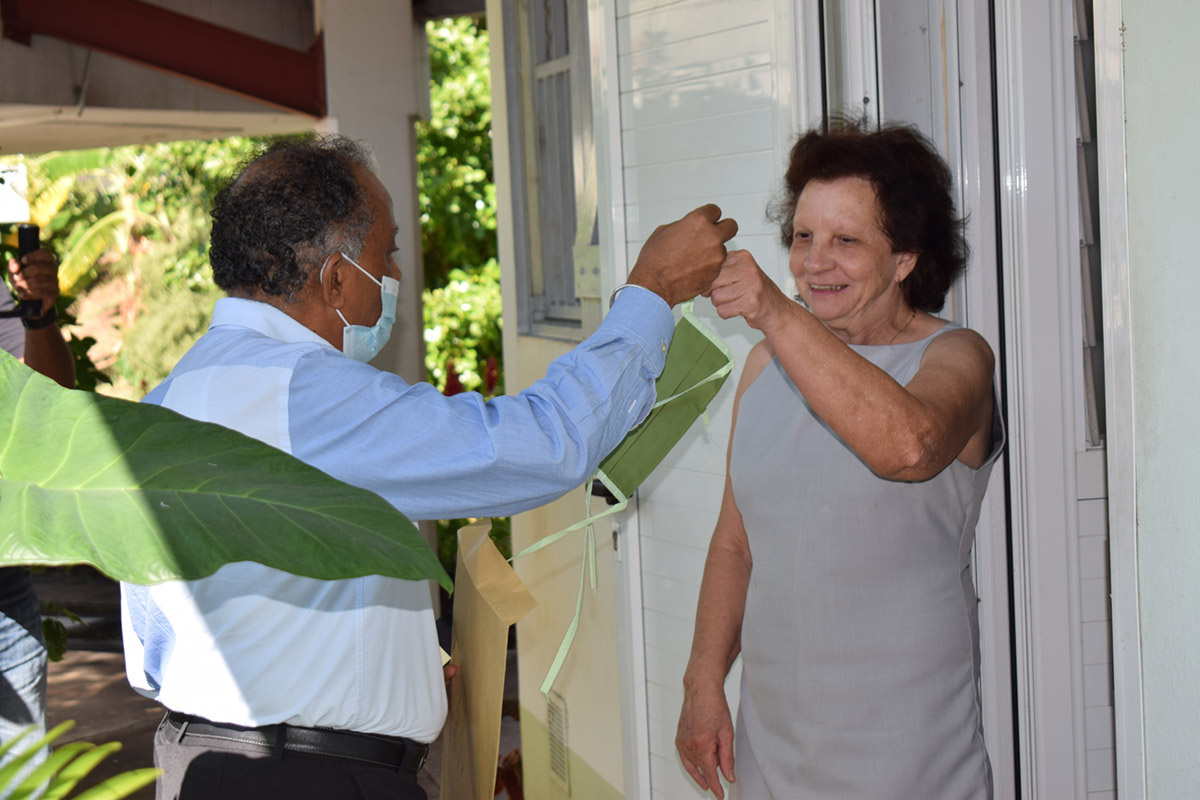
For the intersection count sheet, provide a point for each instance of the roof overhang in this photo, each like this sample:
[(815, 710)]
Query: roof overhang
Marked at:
[(38, 129), (437, 9), (193, 48)]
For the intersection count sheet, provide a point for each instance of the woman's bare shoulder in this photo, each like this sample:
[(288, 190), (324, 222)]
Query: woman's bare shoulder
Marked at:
[(756, 361), (961, 344), (957, 364)]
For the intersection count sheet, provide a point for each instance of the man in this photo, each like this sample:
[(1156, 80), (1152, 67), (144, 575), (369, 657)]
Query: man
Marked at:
[(280, 686), (39, 343)]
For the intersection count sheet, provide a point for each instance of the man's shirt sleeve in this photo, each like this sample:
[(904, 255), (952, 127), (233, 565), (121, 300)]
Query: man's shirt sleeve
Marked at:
[(437, 457)]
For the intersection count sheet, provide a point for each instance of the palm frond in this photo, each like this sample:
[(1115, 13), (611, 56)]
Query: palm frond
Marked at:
[(69, 163), (76, 267), (64, 768), (51, 200)]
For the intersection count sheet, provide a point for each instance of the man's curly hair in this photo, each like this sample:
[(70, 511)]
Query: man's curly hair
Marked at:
[(914, 189), (287, 209)]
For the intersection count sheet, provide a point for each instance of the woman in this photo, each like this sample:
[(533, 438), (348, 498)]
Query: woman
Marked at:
[(865, 429)]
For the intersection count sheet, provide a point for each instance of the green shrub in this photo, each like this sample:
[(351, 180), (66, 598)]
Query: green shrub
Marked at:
[(455, 188), (462, 330), (173, 312)]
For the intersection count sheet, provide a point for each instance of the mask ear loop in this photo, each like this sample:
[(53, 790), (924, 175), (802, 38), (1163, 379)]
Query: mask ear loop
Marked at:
[(359, 267), (321, 280), (324, 264)]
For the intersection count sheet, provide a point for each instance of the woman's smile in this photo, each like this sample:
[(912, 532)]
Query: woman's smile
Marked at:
[(844, 265)]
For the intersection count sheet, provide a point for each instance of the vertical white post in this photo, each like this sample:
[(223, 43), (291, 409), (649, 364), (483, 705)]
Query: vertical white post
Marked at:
[(851, 45), (1118, 389), (370, 77)]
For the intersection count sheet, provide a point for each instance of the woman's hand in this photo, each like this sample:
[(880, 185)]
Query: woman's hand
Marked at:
[(704, 738), (743, 289), (681, 258)]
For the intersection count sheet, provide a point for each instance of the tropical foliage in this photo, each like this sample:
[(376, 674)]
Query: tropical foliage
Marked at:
[(170, 187), (462, 332), (137, 215), (454, 153), (63, 769)]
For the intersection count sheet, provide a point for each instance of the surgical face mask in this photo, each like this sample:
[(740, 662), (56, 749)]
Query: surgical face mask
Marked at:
[(358, 341)]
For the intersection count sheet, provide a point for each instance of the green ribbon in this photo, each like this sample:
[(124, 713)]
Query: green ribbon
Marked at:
[(696, 367)]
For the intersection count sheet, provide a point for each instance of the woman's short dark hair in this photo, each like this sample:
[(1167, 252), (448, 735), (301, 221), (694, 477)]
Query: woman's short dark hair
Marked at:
[(914, 190), (287, 209)]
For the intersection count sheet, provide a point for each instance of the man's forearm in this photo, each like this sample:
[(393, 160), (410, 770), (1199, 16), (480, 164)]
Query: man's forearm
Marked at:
[(47, 352)]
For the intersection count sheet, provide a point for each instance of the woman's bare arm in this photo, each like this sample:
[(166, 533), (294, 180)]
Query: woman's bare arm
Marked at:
[(906, 432), (705, 734)]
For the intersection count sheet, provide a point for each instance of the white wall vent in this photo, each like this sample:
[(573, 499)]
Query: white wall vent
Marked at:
[(556, 721)]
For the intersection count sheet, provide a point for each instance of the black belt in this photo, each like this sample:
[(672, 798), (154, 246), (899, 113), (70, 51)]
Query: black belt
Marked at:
[(395, 752)]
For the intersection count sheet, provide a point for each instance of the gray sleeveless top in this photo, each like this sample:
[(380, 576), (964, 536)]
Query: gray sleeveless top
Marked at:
[(860, 645)]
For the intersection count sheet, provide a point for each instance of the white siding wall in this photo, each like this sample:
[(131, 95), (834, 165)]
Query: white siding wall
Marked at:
[(1095, 625), (1158, 43), (706, 116)]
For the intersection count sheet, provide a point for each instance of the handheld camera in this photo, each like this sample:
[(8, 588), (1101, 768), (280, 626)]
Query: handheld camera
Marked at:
[(28, 240)]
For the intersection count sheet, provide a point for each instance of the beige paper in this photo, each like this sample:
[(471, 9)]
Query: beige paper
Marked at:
[(488, 598)]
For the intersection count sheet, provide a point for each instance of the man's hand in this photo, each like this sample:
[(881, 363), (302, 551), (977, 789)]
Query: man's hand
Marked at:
[(35, 277), (704, 738), (743, 289), (681, 259)]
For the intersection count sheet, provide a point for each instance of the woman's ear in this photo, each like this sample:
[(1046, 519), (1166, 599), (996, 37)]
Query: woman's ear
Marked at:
[(906, 262)]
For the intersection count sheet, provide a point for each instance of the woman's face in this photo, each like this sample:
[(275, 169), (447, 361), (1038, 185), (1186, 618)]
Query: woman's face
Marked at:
[(843, 263)]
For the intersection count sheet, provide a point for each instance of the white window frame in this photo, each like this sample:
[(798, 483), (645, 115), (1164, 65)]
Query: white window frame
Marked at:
[(1118, 387), (557, 275), (854, 90)]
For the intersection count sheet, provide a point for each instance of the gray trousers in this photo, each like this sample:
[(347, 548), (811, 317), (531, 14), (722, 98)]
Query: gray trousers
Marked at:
[(195, 769)]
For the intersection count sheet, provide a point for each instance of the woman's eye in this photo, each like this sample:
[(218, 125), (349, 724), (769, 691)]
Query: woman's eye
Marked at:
[(846, 239), (801, 236)]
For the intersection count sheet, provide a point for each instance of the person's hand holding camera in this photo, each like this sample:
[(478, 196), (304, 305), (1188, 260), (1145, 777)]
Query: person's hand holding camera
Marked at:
[(34, 278)]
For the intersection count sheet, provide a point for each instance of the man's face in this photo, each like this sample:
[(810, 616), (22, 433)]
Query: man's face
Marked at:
[(378, 257)]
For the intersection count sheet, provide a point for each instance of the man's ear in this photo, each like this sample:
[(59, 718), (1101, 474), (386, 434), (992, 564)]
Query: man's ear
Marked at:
[(332, 277)]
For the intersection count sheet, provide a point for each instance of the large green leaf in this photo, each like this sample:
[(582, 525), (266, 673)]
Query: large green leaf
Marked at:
[(147, 495)]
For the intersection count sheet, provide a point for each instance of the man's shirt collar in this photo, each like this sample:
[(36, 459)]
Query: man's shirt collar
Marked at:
[(264, 318)]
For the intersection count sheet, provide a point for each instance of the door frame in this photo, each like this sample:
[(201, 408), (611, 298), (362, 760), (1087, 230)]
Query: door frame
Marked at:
[(1118, 387)]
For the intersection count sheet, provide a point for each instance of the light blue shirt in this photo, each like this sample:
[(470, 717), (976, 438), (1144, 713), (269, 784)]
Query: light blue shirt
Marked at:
[(254, 646)]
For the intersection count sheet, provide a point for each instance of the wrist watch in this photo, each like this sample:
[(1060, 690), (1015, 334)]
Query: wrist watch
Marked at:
[(45, 320)]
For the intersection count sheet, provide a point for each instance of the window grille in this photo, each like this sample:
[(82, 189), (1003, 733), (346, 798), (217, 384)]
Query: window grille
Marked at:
[(1089, 212)]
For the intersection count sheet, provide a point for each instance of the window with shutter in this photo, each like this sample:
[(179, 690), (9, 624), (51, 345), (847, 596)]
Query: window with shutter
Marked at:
[(554, 166)]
